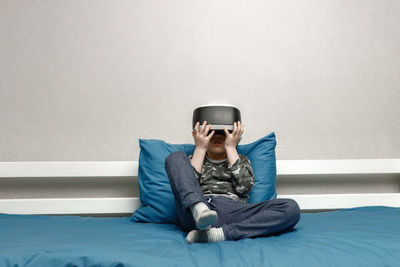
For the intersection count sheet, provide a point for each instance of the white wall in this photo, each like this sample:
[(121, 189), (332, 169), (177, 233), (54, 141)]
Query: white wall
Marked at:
[(84, 80)]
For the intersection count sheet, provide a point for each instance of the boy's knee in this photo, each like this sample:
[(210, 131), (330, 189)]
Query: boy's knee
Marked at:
[(293, 211), (173, 157)]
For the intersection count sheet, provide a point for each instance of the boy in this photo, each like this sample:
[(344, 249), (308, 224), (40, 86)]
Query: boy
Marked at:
[(211, 191)]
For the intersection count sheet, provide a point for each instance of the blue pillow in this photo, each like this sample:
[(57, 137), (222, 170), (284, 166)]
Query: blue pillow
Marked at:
[(261, 154), (156, 197)]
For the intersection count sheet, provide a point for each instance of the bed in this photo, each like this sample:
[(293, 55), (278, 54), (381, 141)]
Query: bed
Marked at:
[(353, 230), (365, 236)]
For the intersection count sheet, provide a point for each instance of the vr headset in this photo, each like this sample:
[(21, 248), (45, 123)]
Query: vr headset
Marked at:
[(218, 116)]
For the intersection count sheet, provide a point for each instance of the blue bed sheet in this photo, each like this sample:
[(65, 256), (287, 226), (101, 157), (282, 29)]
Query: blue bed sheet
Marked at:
[(366, 236)]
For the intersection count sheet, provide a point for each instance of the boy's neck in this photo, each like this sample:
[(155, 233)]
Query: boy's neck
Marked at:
[(217, 156)]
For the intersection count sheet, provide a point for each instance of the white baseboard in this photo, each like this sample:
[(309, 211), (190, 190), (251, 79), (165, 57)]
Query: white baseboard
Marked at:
[(130, 168), (129, 205)]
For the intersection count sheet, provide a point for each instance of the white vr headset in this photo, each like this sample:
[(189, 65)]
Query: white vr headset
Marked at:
[(218, 116)]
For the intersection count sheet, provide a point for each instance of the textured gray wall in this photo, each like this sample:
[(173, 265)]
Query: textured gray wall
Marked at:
[(84, 80)]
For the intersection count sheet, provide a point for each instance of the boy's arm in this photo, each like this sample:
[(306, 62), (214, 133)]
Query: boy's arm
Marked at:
[(201, 139), (242, 175), (240, 167), (231, 142), (198, 158), (232, 155)]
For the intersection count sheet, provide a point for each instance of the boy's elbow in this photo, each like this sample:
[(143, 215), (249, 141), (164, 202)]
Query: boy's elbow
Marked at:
[(244, 191), (244, 188)]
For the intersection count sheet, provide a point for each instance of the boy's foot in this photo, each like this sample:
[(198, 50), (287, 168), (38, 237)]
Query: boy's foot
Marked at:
[(203, 216), (206, 219), (211, 235)]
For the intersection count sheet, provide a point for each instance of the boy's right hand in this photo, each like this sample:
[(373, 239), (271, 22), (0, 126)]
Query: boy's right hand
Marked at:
[(201, 139)]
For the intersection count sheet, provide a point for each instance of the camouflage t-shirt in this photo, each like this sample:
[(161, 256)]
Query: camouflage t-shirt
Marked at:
[(218, 178)]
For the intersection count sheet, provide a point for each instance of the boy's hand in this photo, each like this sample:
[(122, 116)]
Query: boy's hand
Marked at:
[(201, 139), (232, 139)]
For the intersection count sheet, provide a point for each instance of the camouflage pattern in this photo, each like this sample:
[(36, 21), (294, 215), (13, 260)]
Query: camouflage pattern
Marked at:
[(217, 178)]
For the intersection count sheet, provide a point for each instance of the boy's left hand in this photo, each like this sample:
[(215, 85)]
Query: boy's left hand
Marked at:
[(232, 139)]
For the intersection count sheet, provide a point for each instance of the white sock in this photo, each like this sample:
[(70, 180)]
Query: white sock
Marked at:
[(203, 216), (211, 235)]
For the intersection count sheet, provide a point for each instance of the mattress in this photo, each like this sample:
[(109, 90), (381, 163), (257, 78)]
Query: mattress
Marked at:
[(365, 236)]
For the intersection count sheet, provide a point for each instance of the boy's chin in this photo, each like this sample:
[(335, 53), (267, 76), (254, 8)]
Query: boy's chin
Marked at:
[(217, 150)]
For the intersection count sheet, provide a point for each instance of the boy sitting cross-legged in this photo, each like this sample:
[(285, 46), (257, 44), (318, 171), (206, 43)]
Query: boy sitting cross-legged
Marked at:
[(211, 189)]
